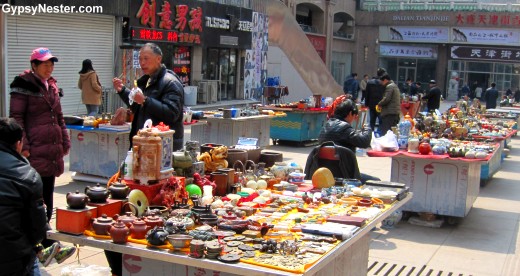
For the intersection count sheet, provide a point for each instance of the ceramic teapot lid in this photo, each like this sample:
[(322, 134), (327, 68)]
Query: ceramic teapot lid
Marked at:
[(119, 224), (153, 218), (76, 194), (97, 188), (138, 222), (118, 185), (104, 219)]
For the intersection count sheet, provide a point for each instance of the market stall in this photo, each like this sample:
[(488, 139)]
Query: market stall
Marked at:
[(441, 184), (98, 151), (347, 257), (226, 131)]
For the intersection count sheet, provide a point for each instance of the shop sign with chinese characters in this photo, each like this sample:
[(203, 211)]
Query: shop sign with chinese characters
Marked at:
[(418, 34), (485, 36), (167, 21), (488, 19), (388, 50), (485, 53)]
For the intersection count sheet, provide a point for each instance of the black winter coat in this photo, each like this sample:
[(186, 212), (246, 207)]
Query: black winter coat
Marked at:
[(434, 98), (343, 134), (24, 222), (164, 104), (374, 93)]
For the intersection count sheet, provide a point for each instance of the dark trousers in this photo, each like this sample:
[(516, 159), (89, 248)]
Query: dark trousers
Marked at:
[(373, 116), (388, 121), (115, 261), (48, 193)]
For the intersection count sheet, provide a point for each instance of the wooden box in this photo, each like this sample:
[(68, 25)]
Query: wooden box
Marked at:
[(152, 153), (74, 221), (111, 207)]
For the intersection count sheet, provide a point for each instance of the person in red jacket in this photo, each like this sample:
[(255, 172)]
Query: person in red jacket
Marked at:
[(35, 105)]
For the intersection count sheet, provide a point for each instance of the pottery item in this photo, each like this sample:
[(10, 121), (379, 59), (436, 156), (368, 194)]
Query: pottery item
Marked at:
[(181, 159), (179, 241), (208, 219), (392, 219), (236, 154), (269, 158), (119, 190), (157, 236), (138, 229), (128, 218), (101, 225), (119, 232), (193, 148), (97, 194), (425, 148), (221, 180), (153, 221), (77, 200), (230, 176), (207, 147), (413, 145), (160, 210), (280, 170)]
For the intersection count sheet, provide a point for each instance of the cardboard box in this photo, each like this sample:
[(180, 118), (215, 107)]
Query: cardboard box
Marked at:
[(74, 221)]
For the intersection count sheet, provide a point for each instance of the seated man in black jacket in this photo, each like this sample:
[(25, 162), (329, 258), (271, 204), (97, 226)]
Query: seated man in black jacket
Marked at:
[(339, 130), (24, 220)]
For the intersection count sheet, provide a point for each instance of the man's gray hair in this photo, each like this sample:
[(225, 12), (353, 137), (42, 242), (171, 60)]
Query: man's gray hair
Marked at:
[(155, 49)]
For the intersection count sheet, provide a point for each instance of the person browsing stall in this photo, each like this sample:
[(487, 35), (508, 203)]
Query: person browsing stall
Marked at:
[(433, 97), (162, 96), (390, 104)]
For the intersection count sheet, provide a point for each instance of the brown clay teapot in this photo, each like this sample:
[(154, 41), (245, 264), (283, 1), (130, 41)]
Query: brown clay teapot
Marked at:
[(119, 190), (97, 194), (77, 200), (119, 232), (138, 229), (101, 225), (153, 220), (128, 218)]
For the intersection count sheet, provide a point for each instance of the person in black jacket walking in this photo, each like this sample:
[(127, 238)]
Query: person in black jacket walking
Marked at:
[(433, 96), (24, 220), (491, 96)]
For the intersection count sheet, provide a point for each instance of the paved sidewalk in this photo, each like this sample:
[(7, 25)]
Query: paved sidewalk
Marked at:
[(484, 243)]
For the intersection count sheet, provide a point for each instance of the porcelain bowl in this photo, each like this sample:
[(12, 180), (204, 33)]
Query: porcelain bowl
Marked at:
[(179, 241)]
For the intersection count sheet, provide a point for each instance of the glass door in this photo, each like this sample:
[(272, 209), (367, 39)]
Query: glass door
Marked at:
[(221, 65)]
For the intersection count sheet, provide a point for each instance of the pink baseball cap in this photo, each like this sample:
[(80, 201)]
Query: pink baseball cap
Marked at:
[(43, 54)]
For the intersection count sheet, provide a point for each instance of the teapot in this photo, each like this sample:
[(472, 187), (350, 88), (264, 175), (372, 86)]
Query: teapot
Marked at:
[(101, 225), (77, 200), (119, 232), (127, 218), (157, 236), (153, 221), (119, 190), (138, 229), (97, 194)]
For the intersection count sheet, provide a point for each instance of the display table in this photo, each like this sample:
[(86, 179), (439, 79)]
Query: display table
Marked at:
[(441, 185), (97, 152), (227, 131), (299, 125), (350, 257)]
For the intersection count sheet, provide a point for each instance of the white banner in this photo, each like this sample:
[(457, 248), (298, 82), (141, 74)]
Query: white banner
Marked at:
[(485, 36), (419, 34), (407, 51)]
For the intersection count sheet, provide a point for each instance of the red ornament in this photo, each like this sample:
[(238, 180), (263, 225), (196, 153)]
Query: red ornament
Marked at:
[(425, 148)]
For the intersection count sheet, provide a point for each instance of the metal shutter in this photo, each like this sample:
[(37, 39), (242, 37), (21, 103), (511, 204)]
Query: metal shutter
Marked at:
[(70, 37)]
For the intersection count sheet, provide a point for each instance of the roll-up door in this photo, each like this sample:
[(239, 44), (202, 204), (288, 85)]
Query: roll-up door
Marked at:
[(70, 37)]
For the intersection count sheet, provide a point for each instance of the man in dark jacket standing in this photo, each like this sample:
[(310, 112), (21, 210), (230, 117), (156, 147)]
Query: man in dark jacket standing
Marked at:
[(433, 97), (374, 93), (351, 86), (491, 96), (24, 221), (390, 104), (162, 96)]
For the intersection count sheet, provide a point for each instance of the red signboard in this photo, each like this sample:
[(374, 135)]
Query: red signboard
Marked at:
[(319, 43), (164, 36), (488, 19)]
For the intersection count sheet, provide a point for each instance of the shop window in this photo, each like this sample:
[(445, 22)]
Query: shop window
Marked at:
[(480, 67), (426, 69)]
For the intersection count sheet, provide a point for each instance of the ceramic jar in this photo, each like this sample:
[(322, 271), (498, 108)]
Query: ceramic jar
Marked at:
[(425, 148), (101, 225), (119, 190), (97, 194), (413, 145), (138, 229), (119, 232), (77, 200), (280, 170)]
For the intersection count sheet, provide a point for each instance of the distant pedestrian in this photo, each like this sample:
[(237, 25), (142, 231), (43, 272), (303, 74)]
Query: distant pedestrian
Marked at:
[(351, 86), (491, 96), (374, 94), (390, 104), (433, 96), (363, 87), (90, 86)]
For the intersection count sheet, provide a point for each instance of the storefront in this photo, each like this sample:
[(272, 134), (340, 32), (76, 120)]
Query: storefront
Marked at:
[(72, 37), (454, 48)]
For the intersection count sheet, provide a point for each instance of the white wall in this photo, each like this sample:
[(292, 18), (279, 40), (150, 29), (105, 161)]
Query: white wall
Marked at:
[(279, 65)]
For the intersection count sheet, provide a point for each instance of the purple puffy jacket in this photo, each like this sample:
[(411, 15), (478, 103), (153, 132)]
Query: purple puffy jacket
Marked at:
[(38, 111)]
